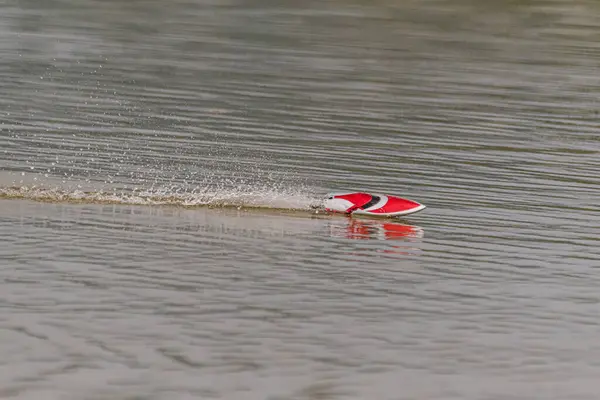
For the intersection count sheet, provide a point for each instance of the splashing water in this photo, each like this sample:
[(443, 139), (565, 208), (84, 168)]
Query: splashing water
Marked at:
[(231, 197), (183, 175)]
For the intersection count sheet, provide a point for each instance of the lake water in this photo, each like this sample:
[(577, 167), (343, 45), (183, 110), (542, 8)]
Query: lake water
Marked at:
[(158, 161)]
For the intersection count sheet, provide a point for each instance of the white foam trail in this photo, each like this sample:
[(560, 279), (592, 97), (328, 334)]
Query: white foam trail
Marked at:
[(240, 197)]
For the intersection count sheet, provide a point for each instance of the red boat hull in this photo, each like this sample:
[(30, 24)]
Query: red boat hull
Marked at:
[(375, 204)]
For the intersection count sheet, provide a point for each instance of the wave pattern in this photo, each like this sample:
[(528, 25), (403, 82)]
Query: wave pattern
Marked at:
[(484, 111)]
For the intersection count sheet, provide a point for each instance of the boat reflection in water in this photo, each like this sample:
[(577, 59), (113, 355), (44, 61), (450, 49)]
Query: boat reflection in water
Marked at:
[(354, 228), (394, 238)]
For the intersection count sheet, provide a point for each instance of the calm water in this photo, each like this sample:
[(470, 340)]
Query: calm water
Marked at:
[(487, 112)]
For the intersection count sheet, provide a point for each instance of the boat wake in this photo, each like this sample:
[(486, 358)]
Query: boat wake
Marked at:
[(238, 197)]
